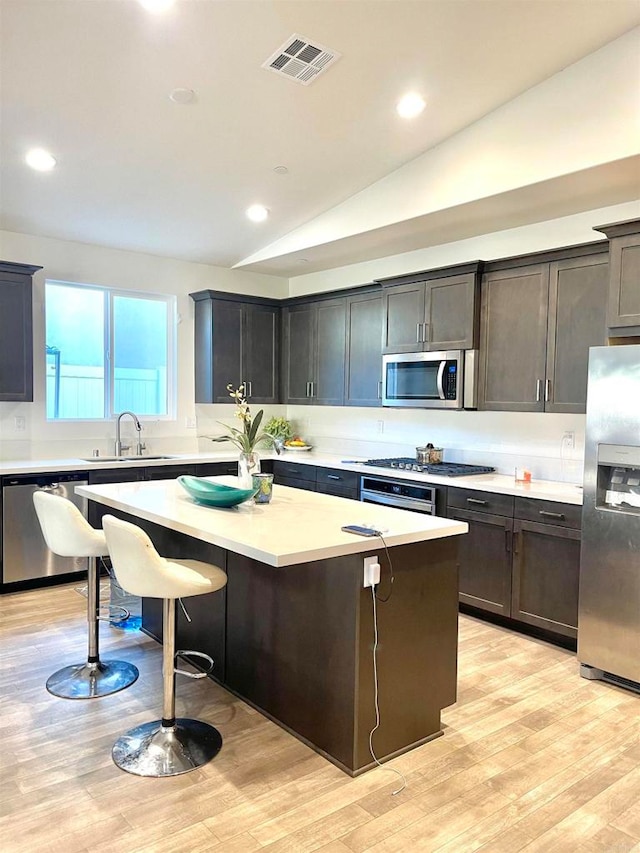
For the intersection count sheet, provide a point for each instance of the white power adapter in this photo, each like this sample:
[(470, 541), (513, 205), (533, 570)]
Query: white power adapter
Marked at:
[(371, 575)]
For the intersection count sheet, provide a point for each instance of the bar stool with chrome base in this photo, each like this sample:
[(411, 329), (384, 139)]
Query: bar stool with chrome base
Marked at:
[(172, 745), (69, 534)]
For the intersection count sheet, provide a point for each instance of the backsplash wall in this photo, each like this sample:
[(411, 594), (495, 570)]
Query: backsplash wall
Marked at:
[(500, 439), (503, 440)]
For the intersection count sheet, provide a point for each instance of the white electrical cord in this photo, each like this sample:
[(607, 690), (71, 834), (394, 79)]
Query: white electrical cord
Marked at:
[(375, 696)]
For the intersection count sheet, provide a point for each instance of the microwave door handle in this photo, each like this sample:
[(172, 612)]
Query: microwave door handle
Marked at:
[(441, 368)]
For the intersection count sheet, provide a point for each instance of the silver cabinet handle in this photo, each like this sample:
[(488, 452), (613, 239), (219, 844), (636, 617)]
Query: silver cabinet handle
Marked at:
[(379, 389), (426, 332), (547, 390), (546, 514), (313, 389), (538, 389), (418, 333), (476, 501), (333, 477), (308, 392)]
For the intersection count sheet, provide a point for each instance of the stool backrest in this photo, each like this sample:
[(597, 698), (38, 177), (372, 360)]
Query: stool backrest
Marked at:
[(139, 568), (65, 529)]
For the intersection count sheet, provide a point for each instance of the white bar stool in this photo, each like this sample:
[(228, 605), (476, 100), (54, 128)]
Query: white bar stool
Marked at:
[(169, 746), (69, 534)]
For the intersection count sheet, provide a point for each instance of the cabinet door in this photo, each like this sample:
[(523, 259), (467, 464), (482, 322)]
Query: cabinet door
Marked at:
[(218, 349), (578, 292), (404, 315), (260, 353), (484, 554), (546, 572), (451, 311), (513, 339), (363, 372), (624, 296), (299, 346), (330, 349), (16, 337)]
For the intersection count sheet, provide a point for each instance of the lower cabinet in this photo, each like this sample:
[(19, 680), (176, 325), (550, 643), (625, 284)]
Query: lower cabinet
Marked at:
[(329, 481), (520, 559)]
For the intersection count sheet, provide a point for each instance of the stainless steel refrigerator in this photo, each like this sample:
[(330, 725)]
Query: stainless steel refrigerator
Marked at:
[(609, 611)]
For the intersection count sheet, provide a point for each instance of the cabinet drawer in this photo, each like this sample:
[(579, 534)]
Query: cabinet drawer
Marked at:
[(549, 512), (290, 470), (338, 490), (480, 501), (336, 477), (294, 483), (217, 469)]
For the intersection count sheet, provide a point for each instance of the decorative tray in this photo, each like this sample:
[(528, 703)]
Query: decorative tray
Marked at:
[(207, 493)]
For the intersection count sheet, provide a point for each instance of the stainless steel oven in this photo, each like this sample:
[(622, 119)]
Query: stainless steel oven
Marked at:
[(402, 494)]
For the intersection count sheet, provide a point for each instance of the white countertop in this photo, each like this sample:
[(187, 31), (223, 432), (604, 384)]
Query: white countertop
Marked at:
[(499, 483), (296, 527)]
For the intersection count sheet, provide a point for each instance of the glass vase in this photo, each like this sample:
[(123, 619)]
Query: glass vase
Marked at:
[(248, 465)]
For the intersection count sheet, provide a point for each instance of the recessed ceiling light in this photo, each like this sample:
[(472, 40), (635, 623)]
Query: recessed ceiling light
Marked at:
[(157, 6), (410, 105), (257, 213), (280, 170), (182, 96), (40, 160)]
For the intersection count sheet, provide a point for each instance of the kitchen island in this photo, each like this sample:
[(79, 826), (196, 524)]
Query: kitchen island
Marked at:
[(293, 631)]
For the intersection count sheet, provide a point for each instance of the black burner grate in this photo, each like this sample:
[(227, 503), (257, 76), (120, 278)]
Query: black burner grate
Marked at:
[(443, 469)]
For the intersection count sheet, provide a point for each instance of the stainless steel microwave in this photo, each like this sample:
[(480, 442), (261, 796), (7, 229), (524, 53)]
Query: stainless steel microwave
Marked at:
[(430, 380)]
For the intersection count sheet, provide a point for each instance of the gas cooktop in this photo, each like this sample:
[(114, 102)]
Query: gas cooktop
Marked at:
[(443, 469)]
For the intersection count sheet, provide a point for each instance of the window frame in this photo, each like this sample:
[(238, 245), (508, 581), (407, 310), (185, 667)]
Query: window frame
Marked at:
[(109, 293)]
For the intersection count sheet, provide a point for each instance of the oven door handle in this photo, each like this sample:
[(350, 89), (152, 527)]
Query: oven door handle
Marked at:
[(398, 501), (441, 368)]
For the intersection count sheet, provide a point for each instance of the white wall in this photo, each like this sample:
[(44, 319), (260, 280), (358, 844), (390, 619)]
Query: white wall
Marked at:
[(87, 264)]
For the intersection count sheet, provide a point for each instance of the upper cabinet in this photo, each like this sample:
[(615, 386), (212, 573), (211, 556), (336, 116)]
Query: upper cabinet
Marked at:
[(431, 311), (236, 343), (537, 324), (314, 346), (363, 365), (624, 277), (16, 332)]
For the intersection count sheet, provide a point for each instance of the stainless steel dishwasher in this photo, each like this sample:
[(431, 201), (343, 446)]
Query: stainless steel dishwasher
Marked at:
[(25, 555)]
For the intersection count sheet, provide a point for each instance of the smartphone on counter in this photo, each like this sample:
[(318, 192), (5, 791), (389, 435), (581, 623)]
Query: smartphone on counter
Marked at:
[(358, 530)]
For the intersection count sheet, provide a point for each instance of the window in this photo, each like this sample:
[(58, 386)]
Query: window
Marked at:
[(107, 351)]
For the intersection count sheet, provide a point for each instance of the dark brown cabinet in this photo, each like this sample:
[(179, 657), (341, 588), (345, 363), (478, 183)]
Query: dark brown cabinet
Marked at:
[(16, 332), (485, 552), (363, 371), (236, 342), (431, 312), (314, 343), (624, 277), (537, 324), (523, 564)]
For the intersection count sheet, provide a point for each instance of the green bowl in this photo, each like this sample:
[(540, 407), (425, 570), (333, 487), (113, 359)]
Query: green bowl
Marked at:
[(207, 493)]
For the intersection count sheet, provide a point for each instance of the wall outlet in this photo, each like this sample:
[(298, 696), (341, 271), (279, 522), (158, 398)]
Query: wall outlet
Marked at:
[(380, 425), (190, 423), (20, 423), (569, 439), (371, 575)]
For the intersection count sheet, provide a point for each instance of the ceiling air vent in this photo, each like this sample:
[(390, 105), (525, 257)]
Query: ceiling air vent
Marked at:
[(300, 60)]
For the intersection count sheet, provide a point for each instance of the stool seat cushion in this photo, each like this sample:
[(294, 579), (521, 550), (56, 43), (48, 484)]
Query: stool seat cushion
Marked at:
[(66, 531), (140, 570)]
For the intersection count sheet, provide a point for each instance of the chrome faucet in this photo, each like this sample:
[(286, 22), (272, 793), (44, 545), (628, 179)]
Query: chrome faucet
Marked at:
[(119, 446)]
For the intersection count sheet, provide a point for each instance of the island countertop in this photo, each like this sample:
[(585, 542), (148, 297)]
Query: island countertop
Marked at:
[(296, 527)]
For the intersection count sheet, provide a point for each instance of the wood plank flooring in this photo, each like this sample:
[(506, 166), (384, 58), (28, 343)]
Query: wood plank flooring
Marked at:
[(533, 758)]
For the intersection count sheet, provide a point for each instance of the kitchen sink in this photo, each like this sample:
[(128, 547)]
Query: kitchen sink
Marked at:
[(125, 458)]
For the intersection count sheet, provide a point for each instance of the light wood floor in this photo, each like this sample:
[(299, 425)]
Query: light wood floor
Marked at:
[(533, 758)]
